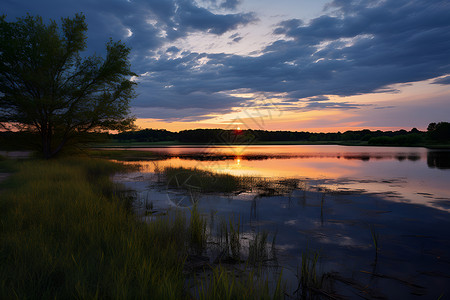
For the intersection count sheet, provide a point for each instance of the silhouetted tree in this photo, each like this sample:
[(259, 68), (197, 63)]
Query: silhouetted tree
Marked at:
[(439, 131), (48, 88)]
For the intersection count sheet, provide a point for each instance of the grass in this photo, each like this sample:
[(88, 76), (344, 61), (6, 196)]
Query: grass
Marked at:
[(230, 239), (197, 231), (225, 284), (67, 232), (203, 181), (375, 238), (309, 280)]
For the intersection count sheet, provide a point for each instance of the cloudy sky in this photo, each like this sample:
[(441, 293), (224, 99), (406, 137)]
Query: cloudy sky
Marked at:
[(278, 65)]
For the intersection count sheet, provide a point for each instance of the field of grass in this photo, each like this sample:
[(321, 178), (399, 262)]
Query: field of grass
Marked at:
[(67, 232)]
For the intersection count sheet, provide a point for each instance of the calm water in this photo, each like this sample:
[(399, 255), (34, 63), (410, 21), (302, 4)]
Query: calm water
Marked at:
[(416, 175), (400, 194)]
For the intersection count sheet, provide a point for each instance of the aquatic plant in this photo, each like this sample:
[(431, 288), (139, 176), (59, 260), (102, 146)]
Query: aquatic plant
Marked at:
[(375, 238), (66, 234), (224, 283), (230, 239), (308, 279), (258, 252), (197, 231)]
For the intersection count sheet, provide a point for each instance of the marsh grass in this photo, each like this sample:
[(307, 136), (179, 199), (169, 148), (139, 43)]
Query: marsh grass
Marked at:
[(375, 241), (309, 280), (223, 283), (197, 231), (62, 237), (66, 232), (230, 239), (201, 181)]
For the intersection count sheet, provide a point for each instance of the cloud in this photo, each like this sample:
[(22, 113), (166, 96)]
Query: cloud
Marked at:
[(444, 80), (355, 47), (318, 98), (360, 47), (152, 22), (332, 105), (230, 4)]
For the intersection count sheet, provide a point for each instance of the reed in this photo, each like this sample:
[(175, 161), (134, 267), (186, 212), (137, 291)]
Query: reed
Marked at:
[(258, 251), (66, 233), (230, 239), (375, 239), (197, 231), (309, 280), (200, 180), (223, 283), (63, 238)]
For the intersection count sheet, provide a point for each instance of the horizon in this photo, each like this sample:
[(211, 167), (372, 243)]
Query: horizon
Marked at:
[(322, 66)]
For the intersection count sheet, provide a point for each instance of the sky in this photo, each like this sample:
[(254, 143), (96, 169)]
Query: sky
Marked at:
[(312, 65)]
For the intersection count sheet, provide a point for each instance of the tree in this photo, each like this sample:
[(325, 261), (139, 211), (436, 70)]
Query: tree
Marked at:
[(48, 87), (439, 131)]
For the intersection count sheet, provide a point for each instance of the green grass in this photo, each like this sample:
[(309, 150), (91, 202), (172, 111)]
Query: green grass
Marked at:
[(202, 181), (67, 232), (62, 237), (225, 284)]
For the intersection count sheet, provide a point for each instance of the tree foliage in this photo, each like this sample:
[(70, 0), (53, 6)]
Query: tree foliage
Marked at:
[(439, 131), (48, 87)]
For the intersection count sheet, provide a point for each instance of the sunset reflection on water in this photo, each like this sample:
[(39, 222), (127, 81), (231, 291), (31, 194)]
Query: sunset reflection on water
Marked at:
[(403, 174)]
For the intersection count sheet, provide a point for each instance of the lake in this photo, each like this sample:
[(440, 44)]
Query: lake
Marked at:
[(378, 217)]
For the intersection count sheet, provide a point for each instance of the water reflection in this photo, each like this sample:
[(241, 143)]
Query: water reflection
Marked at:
[(343, 197), (438, 159), (401, 174)]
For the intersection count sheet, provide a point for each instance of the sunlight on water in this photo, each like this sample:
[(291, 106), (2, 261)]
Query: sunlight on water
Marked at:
[(397, 174)]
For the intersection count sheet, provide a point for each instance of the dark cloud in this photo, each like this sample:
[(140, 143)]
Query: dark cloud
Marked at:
[(356, 47), (172, 49), (235, 38), (230, 4), (318, 98), (332, 105), (151, 22), (444, 80), (190, 16), (361, 47)]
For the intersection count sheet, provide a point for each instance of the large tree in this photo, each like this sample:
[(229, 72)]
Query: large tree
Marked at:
[(48, 87)]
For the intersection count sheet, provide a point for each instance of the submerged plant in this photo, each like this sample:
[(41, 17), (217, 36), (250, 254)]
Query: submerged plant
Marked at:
[(375, 237)]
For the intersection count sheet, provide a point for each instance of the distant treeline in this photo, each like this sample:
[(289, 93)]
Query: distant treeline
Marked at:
[(436, 132)]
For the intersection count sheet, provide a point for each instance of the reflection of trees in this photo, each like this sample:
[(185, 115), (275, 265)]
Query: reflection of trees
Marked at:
[(438, 159), (219, 157)]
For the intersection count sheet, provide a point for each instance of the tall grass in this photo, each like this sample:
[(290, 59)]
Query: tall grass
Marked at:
[(197, 231), (201, 180), (225, 284), (197, 181), (309, 280), (65, 234), (230, 239)]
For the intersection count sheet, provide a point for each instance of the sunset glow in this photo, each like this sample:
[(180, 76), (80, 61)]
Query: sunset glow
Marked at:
[(297, 65)]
